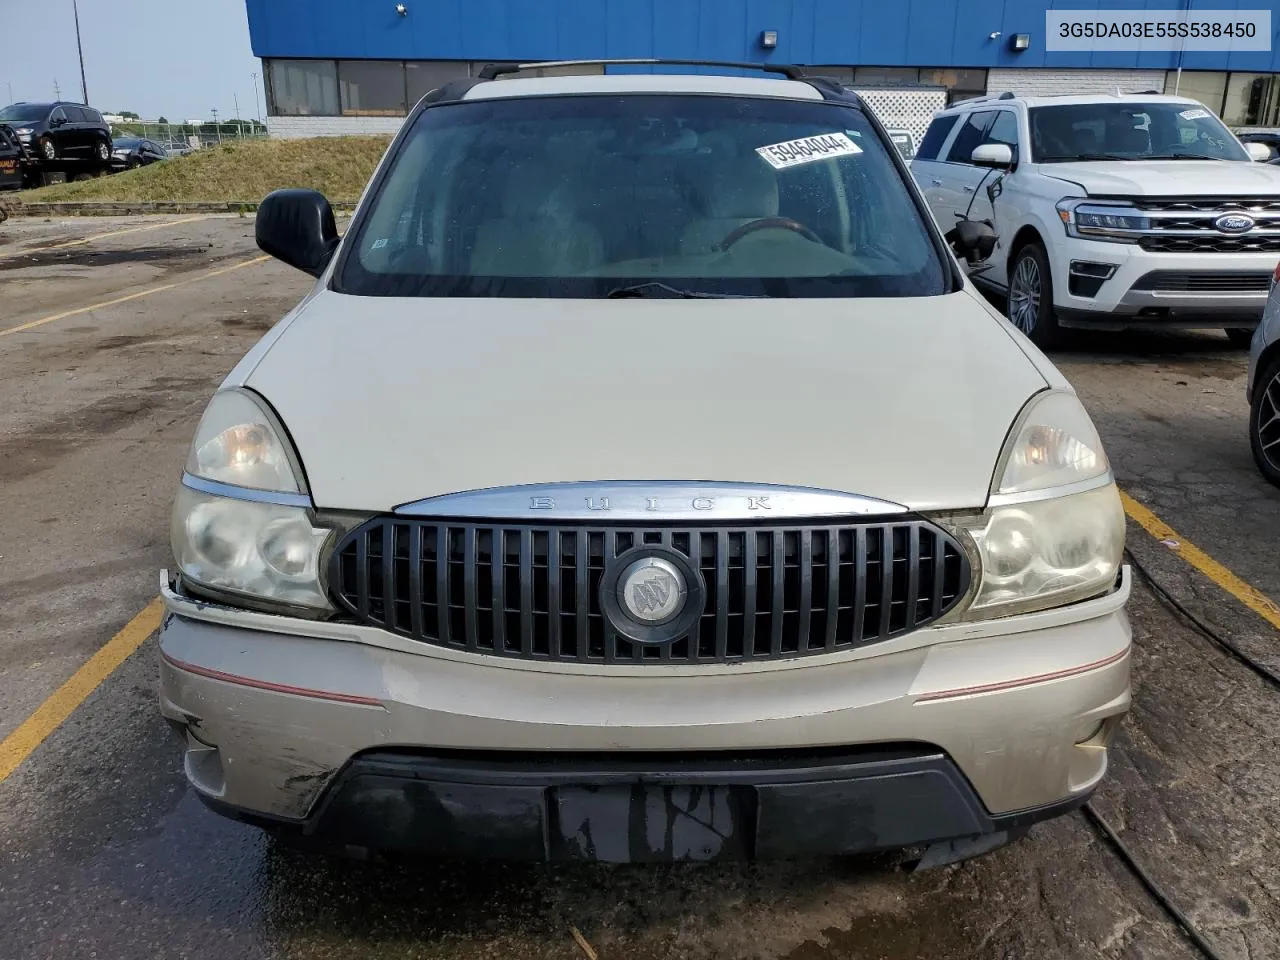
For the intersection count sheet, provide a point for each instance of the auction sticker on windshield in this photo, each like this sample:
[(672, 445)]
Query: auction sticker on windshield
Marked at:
[(808, 149)]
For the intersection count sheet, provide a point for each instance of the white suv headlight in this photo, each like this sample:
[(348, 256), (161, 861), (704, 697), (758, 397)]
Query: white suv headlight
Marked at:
[(243, 523), (1053, 532), (1117, 223)]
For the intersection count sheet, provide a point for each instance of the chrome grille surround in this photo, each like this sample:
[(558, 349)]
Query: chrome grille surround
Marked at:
[(1187, 225), (550, 589)]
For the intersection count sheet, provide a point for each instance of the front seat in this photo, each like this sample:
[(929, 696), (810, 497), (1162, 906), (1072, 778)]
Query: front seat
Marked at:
[(731, 196), (538, 234)]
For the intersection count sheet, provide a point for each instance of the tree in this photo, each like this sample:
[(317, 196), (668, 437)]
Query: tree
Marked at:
[(129, 114), (162, 120)]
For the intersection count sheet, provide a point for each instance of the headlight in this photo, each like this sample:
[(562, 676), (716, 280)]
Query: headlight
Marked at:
[(243, 525), (238, 442), (1098, 221), (260, 551), (1053, 532)]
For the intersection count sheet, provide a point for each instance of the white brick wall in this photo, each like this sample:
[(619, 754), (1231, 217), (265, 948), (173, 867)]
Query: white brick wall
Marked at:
[(1047, 83), (289, 128)]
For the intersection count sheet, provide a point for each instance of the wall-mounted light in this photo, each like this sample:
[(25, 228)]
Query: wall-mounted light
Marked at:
[(402, 9), (1020, 41), (769, 39), (994, 36)]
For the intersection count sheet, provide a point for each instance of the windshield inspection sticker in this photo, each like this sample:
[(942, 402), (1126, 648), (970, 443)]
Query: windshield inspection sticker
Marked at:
[(1196, 114), (808, 149)]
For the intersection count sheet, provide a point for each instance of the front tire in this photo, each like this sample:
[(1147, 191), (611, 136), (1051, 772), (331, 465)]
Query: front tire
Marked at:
[(1264, 422), (1030, 304), (47, 149), (102, 150)]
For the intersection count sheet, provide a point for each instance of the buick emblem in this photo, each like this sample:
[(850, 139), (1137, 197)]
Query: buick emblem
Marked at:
[(1234, 223), (652, 590)]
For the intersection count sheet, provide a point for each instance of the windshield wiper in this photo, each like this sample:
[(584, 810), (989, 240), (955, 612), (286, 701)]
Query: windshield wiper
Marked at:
[(658, 290), (1181, 156), (1068, 158)]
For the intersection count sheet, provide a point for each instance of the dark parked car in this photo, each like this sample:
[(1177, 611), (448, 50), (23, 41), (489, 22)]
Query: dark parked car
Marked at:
[(130, 152), (12, 160), (53, 131)]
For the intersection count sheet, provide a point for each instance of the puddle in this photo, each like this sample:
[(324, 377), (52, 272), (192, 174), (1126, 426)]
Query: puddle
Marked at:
[(83, 257)]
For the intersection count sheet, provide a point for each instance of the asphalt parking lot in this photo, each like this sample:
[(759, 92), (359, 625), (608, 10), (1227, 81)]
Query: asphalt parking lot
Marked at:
[(113, 334)]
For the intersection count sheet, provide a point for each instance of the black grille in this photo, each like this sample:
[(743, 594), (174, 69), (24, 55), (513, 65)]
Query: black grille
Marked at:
[(533, 592), (1210, 243), (1236, 281)]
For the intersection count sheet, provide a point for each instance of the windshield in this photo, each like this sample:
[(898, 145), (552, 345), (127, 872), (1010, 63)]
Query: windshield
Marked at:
[(1130, 131), (23, 111), (644, 195), (125, 143)]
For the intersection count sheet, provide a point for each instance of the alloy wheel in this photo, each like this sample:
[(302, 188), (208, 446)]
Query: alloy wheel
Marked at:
[(1268, 420), (1024, 294), (48, 149)]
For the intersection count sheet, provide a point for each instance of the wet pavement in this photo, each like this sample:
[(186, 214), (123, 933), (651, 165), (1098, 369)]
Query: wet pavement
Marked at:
[(104, 851)]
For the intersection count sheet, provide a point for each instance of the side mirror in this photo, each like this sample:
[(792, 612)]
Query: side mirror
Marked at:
[(57, 121), (973, 240), (297, 227), (1258, 152), (998, 155)]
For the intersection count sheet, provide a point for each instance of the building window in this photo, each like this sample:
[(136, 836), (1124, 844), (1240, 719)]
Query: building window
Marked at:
[(1208, 87), (961, 83), (841, 75), (423, 76), (301, 88), (886, 76), (1253, 100), (371, 88)]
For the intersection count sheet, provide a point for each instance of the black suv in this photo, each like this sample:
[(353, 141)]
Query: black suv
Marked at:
[(53, 131)]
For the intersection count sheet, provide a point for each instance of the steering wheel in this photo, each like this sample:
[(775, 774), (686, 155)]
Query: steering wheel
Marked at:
[(768, 223)]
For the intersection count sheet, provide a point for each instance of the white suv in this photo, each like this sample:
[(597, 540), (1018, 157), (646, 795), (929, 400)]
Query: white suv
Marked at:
[(1111, 211)]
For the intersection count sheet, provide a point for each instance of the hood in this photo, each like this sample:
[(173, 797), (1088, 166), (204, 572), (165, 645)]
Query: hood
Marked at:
[(390, 401), (1168, 178)]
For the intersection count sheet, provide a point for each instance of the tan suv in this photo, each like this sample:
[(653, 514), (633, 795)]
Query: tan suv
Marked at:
[(642, 479)]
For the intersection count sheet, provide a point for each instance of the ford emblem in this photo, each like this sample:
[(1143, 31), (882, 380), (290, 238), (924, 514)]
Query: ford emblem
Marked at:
[(1234, 223)]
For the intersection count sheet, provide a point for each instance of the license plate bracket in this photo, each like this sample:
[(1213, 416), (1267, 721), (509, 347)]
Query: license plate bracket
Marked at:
[(651, 823)]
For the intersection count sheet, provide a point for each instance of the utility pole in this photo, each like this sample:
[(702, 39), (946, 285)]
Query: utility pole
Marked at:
[(236, 100), (84, 87), (216, 125), (57, 91), (256, 104), (10, 83)]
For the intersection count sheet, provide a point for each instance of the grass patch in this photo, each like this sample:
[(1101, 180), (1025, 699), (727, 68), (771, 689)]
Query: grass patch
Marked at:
[(242, 171)]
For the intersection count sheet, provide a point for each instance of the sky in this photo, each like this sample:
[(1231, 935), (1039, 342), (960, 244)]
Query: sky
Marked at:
[(173, 58)]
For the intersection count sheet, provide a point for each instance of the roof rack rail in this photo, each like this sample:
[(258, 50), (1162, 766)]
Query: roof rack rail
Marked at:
[(492, 71), (983, 98)]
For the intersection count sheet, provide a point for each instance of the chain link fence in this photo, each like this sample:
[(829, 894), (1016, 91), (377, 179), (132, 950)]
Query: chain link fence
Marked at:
[(180, 138)]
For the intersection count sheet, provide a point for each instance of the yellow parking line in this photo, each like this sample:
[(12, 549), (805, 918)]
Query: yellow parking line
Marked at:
[(31, 324), (103, 236), (1250, 596), (50, 715)]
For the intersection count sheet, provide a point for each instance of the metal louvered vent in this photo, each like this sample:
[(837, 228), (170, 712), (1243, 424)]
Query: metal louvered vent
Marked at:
[(759, 592)]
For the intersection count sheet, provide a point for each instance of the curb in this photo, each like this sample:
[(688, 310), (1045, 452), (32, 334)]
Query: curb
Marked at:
[(102, 208)]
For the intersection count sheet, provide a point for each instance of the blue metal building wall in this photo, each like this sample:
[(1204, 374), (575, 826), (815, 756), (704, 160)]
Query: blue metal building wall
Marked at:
[(912, 33)]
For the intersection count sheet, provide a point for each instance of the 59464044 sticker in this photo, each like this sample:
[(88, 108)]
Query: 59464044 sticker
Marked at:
[(792, 153), (1194, 114)]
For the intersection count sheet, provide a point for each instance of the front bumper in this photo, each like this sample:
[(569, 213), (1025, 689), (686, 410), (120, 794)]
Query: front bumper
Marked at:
[(948, 732), (1120, 300)]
